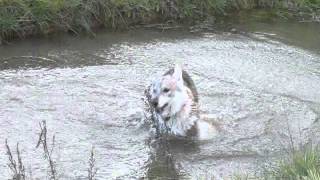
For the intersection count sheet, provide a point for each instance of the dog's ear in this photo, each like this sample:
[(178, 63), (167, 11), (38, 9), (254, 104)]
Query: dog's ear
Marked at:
[(177, 75)]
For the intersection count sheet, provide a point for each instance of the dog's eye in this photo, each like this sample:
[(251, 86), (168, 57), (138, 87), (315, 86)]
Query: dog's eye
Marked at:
[(165, 90)]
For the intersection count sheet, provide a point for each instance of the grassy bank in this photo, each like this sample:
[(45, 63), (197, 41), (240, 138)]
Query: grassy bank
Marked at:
[(21, 18)]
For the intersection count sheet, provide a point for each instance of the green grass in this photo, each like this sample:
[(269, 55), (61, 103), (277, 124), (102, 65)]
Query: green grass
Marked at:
[(27, 17), (304, 165), (300, 165), (20, 18)]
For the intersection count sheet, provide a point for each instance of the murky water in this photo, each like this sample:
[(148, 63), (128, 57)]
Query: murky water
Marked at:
[(90, 92)]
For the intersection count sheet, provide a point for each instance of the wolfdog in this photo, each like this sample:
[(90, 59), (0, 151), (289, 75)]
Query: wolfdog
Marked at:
[(174, 100)]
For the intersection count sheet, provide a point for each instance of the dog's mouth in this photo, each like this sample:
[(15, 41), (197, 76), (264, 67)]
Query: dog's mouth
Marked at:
[(160, 109)]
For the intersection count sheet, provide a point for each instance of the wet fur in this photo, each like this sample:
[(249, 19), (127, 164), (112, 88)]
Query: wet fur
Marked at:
[(181, 126), (188, 82)]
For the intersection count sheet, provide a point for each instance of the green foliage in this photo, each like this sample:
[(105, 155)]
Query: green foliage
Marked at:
[(304, 165), (300, 165), (309, 2), (27, 17)]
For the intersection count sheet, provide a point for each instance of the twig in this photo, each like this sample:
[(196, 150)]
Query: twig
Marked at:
[(92, 170), (18, 170), (291, 137), (47, 153), (21, 169)]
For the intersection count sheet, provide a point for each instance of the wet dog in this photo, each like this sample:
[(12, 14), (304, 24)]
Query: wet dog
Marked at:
[(174, 100)]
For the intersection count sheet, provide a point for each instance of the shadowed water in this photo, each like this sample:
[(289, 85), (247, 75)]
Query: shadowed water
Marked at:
[(264, 93)]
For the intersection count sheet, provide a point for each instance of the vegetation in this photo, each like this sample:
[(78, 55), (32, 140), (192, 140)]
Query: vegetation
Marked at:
[(300, 165), (17, 168), (304, 165), (47, 152), (20, 18)]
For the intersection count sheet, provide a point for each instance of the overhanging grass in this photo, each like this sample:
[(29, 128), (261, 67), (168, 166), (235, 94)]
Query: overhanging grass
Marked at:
[(28, 17)]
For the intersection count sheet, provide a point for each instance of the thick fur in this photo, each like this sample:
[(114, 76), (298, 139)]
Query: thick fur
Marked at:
[(174, 100)]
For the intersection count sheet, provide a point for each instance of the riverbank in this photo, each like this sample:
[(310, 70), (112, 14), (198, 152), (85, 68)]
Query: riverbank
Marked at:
[(21, 18)]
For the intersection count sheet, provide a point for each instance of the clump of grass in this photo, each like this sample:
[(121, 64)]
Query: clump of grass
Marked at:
[(299, 165), (17, 169), (304, 165)]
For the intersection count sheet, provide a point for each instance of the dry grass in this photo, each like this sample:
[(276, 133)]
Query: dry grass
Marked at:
[(92, 170), (17, 167), (47, 151)]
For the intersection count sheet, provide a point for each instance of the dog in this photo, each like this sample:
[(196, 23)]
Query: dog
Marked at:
[(174, 100)]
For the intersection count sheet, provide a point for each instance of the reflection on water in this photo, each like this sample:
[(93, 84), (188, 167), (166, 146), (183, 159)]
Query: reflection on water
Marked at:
[(90, 92), (264, 24)]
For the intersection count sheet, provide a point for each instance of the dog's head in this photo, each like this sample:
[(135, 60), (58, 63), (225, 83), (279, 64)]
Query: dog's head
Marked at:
[(168, 94)]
